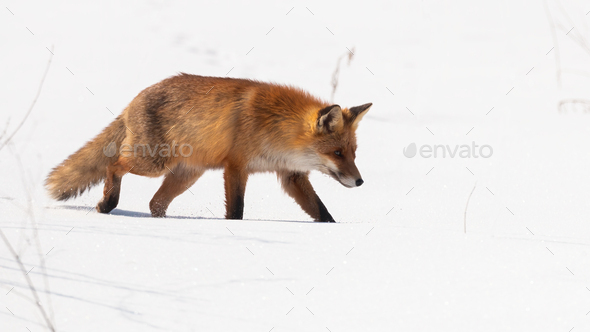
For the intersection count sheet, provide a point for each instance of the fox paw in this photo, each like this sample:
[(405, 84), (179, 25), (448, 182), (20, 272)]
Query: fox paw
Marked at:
[(107, 205), (157, 209)]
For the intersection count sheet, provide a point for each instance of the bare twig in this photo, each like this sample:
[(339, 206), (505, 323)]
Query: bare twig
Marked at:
[(46, 316), (578, 37), (5, 129), (35, 235), (466, 206), (28, 279), (336, 74), (32, 104), (555, 42)]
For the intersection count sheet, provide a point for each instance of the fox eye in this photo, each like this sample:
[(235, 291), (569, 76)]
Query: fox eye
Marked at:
[(338, 153)]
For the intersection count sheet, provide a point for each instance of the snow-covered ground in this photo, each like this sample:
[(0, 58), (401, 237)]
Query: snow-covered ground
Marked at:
[(438, 73)]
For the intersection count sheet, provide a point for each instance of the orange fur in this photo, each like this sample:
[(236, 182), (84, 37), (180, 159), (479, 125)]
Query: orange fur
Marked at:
[(242, 126)]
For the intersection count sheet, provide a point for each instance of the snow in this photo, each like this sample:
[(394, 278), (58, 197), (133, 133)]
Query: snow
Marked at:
[(397, 258)]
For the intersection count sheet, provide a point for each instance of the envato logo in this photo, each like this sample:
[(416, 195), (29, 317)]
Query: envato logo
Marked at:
[(436, 151), (143, 150)]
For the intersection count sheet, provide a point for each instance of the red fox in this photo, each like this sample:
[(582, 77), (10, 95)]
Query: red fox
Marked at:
[(239, 125)]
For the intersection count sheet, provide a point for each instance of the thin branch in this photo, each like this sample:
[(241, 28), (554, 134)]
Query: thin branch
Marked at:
[(336, 74), (555, 42), (5, 129), (466, 206), (29, 281), (32, 104), (31, 214), (29, 209)]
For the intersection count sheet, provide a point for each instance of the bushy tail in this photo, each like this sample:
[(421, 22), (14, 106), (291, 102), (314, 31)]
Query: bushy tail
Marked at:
[(88, 166)]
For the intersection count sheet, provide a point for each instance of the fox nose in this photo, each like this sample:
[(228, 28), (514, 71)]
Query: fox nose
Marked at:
[(359, 182)]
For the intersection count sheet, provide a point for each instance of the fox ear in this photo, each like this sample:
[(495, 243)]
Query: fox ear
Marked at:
[(357, 113), (330, 119)]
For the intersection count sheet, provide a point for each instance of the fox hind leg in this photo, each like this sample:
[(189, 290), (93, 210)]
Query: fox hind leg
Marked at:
[(297, 185), (112, 188), (174, 184)]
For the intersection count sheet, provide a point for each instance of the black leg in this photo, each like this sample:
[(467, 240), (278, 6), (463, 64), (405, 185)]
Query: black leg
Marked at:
[(235, 187)]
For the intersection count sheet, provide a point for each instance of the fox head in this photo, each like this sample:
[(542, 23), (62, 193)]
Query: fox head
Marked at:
[(335, 142)]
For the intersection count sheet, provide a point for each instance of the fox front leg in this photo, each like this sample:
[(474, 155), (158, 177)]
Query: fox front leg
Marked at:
[(297, 185), (235, 187)]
